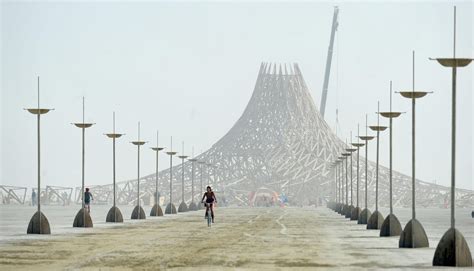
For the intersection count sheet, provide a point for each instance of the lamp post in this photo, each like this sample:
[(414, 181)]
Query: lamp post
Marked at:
[(182, 207), (376, 219), (156, 210), (365, 214), (138, 212), (83, 218), (341, 186), (391, 225), (114, 214), (192, 205), (356, 211), (332, 204), (170, 208), (347, 210), (452, 249), (338, 187), (351, 207), (413, 235), (38, 223)]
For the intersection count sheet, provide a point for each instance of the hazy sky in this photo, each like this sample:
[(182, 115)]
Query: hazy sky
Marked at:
[(189, 68)]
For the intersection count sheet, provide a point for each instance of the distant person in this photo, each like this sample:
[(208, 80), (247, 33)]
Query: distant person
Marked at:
[(210, 200), (33, 198), (65, 199), (87, 200)]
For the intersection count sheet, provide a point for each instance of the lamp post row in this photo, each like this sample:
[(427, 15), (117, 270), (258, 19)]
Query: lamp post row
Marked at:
[(39, 223), (452, 249)]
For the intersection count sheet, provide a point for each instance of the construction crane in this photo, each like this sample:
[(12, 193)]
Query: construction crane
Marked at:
[(322, 108)]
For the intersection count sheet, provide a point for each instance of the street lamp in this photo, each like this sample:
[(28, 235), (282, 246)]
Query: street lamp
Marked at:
[(114, 214), (391, 225), (351, 207), (347, 210), (138, 212), (413, 235), (192, 205), (452, 249), (38, 223), (338, 196), (365, 214), (83, 218), (376, 219), (341, 206), (156, 210), (356, 211), (170, 208), (182, 207), (332, 203)]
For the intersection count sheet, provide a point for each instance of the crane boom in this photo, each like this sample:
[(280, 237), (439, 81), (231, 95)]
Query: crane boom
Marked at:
[(322, 108)]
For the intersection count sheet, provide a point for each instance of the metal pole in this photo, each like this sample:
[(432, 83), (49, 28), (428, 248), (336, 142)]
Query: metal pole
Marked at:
[(358, 149), (182, 179), (342, 181), (453, 131), (114, 136), (182, 156), (113, 166), (347, 190), (413, 155), (138, 174), (335, 182), (156, 172), (338, 172), (192, 181), (328, 61), (83, 164), (366, 154), (38, 111), (39, 168), (391, 149), (341, 191), (171, 178), (39, 164), (377, 168), (352, 197), (413, 143)]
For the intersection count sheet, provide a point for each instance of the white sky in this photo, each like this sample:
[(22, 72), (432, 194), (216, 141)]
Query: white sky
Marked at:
[(189, 68)]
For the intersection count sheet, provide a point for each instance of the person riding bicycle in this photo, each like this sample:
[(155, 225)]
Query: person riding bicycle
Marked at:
[(210, 200)]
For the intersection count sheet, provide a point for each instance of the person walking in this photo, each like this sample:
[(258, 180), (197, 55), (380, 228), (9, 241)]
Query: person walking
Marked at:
[(87, 200), (33, 198)]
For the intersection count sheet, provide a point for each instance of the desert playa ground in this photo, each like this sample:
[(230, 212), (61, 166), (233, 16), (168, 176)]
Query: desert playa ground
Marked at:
[(241, 239)]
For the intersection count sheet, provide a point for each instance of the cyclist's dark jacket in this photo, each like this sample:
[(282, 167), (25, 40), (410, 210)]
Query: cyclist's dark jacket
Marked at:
[(210, 197)]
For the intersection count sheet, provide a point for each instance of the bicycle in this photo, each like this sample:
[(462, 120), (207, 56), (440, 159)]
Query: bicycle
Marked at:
[(209, 214)]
